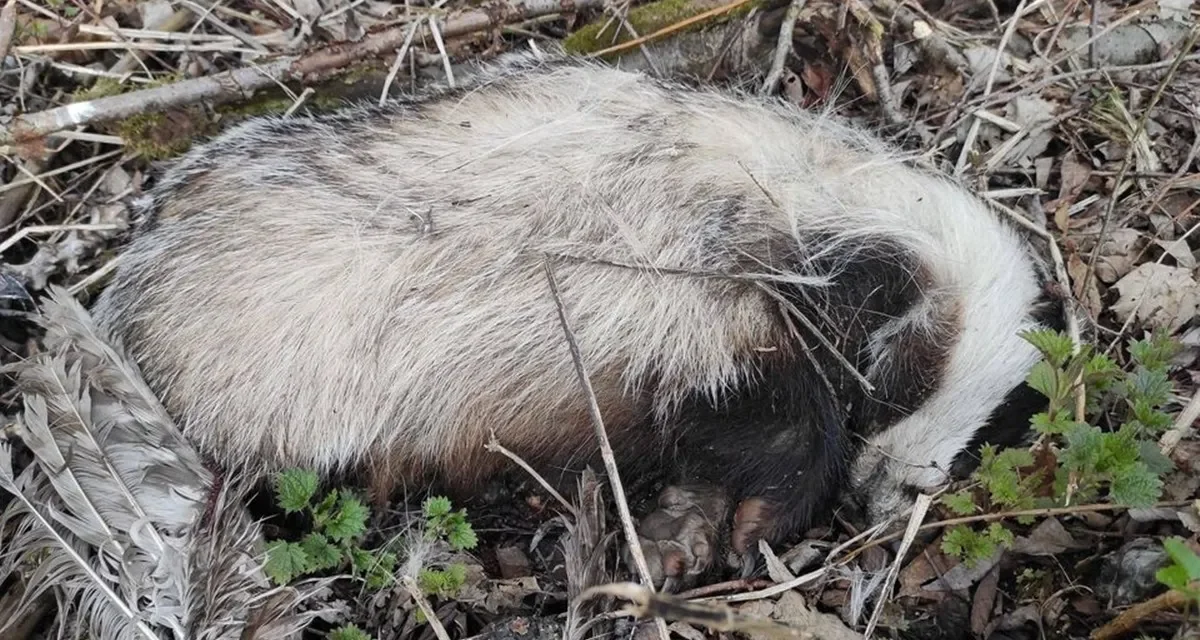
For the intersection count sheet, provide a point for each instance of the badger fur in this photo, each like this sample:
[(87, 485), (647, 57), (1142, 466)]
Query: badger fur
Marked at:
[(764, 299)]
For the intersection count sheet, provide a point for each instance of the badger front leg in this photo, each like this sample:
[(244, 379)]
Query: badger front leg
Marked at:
[(765, 462)]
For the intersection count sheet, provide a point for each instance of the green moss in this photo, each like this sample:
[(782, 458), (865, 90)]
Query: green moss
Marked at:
[(646, 19), (156, 136)]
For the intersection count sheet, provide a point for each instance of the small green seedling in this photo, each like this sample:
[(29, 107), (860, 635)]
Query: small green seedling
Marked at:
[(339, 522)]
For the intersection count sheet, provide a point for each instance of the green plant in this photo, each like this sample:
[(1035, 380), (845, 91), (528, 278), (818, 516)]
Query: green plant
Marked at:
[(349, 632), (339, 524), (1073, 460), (1183, 574), (441, 523)]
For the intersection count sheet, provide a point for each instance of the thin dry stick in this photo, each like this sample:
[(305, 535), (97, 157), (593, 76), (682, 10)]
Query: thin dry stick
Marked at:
[(1183, 423), (783, 46), (682, 24), (1128, 621), (414, 590), (920, 508), (606, 452), (494, 445), (8, 24), (243, 82), (973, 132), (774, 590), (1008, 515)]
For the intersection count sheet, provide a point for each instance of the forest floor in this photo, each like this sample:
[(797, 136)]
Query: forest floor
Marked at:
[(1082, 119)]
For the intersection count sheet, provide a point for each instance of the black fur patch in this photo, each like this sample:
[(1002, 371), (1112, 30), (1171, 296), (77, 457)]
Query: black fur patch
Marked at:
[(785, 433)]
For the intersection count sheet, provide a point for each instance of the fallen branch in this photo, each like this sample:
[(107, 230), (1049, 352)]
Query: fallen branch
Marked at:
[(242, 83)]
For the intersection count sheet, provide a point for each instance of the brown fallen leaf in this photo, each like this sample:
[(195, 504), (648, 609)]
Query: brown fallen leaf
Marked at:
[(984, 602), (1158, 296)]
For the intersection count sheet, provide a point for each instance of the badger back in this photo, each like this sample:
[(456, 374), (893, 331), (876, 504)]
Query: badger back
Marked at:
[(368, 287)]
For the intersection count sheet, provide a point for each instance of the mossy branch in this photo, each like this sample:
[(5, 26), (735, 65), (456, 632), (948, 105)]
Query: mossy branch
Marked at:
[(240, 84)]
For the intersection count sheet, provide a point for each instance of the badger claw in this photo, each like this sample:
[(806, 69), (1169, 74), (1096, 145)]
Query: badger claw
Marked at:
[(680, 538)]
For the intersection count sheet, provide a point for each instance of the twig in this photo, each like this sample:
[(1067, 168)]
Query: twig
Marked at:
[(8, 24), (1183, 424), (1127, 622), (606, 452), (414, 590), (1008, 515), (811, 576), (973, 132), (920, 508), (783, 46), (494, 445), (243, 82), (682, 24)]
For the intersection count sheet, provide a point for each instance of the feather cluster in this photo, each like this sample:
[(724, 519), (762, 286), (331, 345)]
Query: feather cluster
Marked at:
[(117, 518)]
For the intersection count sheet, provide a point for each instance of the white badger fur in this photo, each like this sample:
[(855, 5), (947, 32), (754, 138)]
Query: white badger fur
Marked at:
[(366, 290)]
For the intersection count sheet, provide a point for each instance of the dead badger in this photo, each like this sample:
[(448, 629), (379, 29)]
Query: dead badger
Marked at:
[(766, 301)]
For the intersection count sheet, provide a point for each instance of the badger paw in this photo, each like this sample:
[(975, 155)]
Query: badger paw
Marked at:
[(680, 537), (754, 519)]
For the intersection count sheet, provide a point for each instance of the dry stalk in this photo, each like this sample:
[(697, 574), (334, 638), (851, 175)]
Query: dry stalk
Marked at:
[(973, 131), (1128, 621), (783, 46), (414, 590), (495, 446), (606, 452), (920, 508), (1009, 515), (8, 24)]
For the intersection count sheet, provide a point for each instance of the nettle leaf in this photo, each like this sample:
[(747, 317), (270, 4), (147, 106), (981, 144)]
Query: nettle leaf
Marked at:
[(1058, 425), (1055, 347), (321, 554), (436, 506), (382, 570), (1148, 417), (1184, 557), (1174, 576), (1084, 448), (462, 537), (1154, 352), (294, 489), (1153, 387), (961, 503), (349, 520), (285, 561), (1152, 456), (1135, 486), (1101, 371), (325, 509), (1043, 378)]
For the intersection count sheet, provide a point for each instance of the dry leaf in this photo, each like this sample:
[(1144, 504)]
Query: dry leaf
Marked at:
[(1117, 254), (1047, 539), (1158, 296), (1077, 269), (985, 600), (792, 610)]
